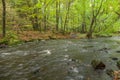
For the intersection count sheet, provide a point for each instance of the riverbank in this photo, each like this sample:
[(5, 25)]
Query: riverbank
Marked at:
[(27, 36), (13, 38)]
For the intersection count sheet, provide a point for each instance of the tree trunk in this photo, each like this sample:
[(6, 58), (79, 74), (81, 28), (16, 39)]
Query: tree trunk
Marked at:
[(94, 17), (35, 24), (44, 18), (4, 18), (84, 18), (67, 13), (57, 15)]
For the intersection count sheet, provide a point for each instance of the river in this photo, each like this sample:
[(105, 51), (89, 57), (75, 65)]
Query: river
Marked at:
[(59, 59)]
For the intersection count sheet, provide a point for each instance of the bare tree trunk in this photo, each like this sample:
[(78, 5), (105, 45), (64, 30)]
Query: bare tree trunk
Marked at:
[(84, 18), (57, 15), (35, 23), (44, 18), (66, 17), (60, 16), (4, 18), (34, 20)]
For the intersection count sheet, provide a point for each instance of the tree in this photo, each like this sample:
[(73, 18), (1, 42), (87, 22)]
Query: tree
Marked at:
[(4, 18), (95, 14), (57, 14), (68, 5), (28, 10), (84, 17)]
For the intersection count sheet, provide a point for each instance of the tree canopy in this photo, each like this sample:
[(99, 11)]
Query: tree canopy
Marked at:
[(65, 16)]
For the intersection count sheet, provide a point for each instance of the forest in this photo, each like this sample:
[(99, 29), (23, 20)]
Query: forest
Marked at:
[(83, 36), (59, 18)]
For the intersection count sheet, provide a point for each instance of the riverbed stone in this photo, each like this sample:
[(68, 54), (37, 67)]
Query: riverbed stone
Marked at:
[(118, 51), (118, 64), (110, 72), (97, 64), (104, 49), (114, 58)]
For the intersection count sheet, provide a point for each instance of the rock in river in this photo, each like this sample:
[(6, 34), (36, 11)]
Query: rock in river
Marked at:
[(114, 58), (97, 64), (110, 72), (118, 64), (3, 46), (118, 51)]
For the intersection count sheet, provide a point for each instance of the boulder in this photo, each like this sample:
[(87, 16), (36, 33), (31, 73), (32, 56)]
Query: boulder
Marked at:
[(3, 46), (97, 64)]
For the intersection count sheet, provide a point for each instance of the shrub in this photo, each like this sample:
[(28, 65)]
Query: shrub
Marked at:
[(10, 39)]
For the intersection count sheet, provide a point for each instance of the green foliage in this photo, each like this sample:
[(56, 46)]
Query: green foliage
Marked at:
[(43, 12), (80, 10), (104, 34), (10, 39)]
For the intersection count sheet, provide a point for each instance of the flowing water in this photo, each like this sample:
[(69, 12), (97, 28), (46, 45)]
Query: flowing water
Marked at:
[(59, 59)]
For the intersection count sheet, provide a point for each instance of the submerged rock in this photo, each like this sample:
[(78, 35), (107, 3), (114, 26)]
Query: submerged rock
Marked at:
[(118, 51), (97, 64), (118, 64), (106, 50), (114, 58), (36, 70), (80, 77), (74, 69), (110, 72)]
